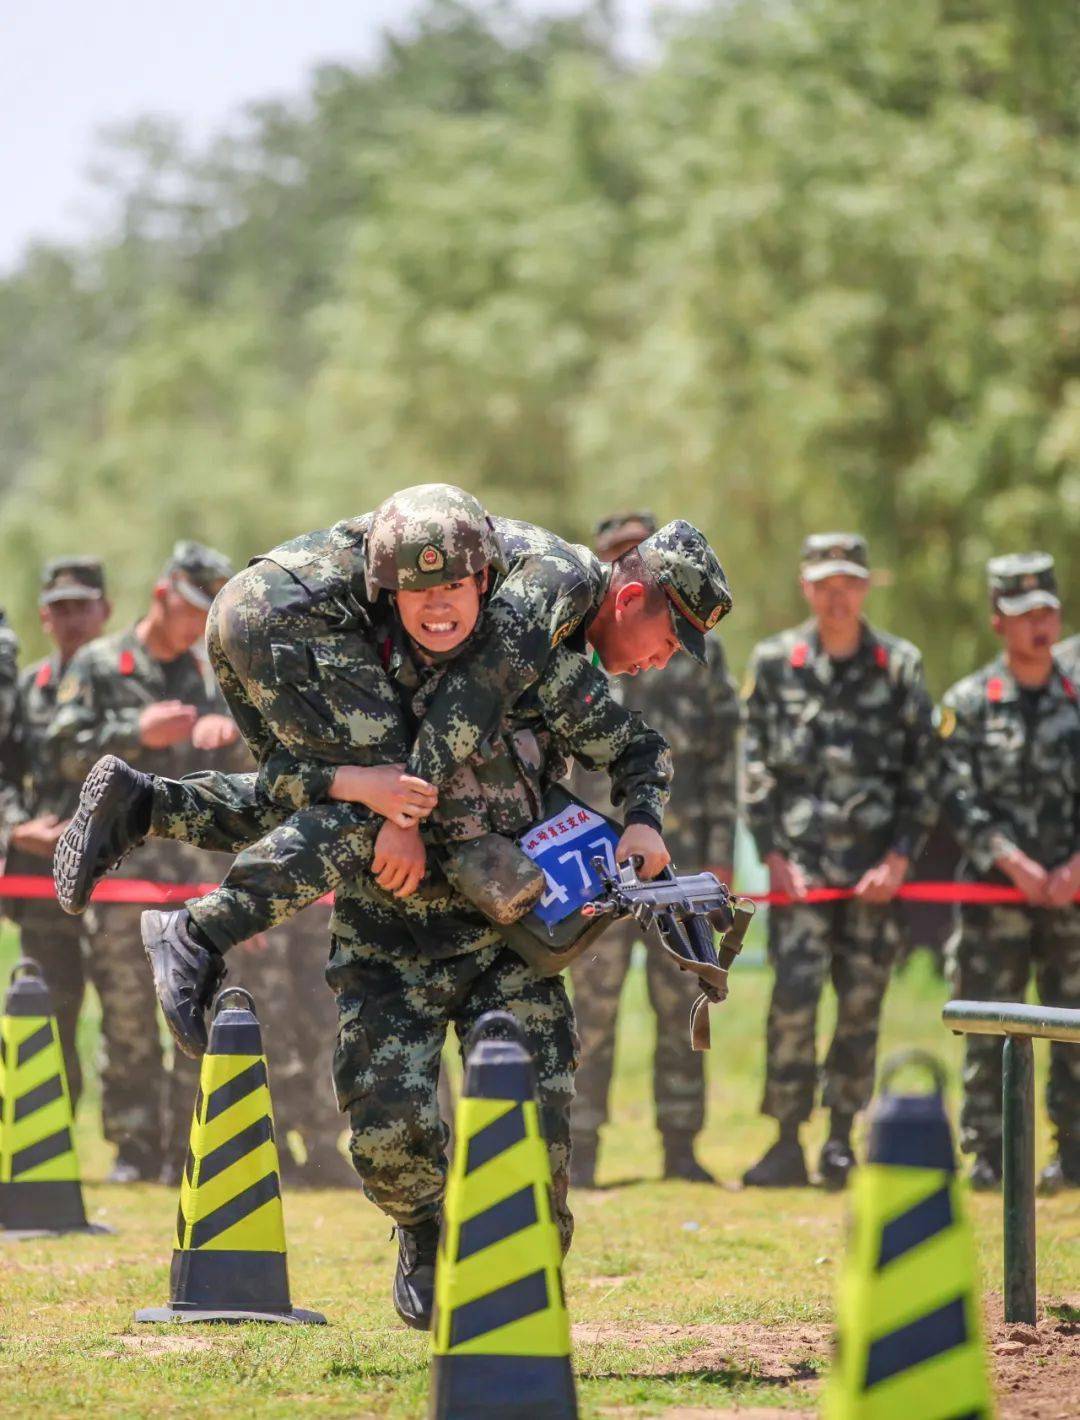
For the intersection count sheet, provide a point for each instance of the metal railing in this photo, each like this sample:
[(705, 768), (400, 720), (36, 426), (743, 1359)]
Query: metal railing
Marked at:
[(1019, 1024)]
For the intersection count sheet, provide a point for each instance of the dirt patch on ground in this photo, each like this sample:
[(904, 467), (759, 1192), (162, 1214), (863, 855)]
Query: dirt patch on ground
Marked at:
[(153, 1345), (1036, 1369)]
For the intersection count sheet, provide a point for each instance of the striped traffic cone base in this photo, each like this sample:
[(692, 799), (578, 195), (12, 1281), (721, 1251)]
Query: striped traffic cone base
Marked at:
[(40, 1192), (229, 1261)]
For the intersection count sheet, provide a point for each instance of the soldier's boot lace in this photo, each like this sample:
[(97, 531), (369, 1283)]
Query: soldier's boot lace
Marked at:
[(985, 1175), (113, 817), (680, 1161), (414, 1280), (186, 976), (583, 1162), (781, 1166)]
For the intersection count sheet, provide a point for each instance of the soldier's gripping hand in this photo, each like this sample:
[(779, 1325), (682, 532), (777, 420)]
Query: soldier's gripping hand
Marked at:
[(214, 732), (387, 790), (38, 836), (881, 883), (1063, 883), (640, 840), (1024, 873), (399, 860), (167, 723), (786, 877)]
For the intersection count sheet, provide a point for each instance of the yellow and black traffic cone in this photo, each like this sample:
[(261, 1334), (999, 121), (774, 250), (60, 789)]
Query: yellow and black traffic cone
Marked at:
[(229, 1261), (500, 1337), (910, 1332), (40, 1192)]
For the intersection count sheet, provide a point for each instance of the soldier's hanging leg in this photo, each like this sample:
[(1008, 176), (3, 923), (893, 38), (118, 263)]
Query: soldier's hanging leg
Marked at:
[(598, 976), (58, 944), (1057, 974), (678, 1070)]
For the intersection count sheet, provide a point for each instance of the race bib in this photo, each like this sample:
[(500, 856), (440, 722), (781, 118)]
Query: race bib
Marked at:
[(563, 848)]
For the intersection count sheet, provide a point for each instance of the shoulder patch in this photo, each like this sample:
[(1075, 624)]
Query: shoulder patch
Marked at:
[(69, 690), (944, 720), (562, 632)]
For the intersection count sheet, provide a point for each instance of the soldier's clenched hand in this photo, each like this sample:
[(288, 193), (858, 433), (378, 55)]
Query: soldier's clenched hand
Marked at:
[(786, 877), (1064, 883), (399, 860), (169, 722), (639, 840), (38, 835), (1025, 874), (214, 732), (881, 883), (400, 798)]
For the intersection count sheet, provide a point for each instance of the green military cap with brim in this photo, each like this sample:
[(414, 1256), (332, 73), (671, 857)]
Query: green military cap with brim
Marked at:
[(197, 572), (70, 579), (620, 528), (835, 554), (689, 571), (1021, 581)]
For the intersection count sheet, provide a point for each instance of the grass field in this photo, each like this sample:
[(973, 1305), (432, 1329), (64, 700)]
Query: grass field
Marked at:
[(687, 1300)]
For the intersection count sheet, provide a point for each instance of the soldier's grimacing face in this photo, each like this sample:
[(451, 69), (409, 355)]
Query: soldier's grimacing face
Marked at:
[(72, 623), (836, 602), (441, 618), (1030, 635)]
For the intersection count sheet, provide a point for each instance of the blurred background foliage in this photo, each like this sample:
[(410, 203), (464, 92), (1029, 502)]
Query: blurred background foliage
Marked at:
[(817, 265)]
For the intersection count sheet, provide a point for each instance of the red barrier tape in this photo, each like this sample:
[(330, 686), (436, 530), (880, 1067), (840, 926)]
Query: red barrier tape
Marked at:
[(141, 890)]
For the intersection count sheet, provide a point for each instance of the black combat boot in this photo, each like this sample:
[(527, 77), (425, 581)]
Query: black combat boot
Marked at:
[(186, 975), (134, 1164), (985, 1175), (414, 1280), (1063, 1170), (113, 817), (837, 1159), (782, 1165), (679, 1160), (583, 1162)]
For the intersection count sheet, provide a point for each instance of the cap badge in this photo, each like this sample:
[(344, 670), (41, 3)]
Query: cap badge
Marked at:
[(1030, 581), (431, 559), (837, 553)]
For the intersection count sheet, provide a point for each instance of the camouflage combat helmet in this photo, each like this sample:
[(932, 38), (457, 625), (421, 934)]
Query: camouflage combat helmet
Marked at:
[(426, 536)]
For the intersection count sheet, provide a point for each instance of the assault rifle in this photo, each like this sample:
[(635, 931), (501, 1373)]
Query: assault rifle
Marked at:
[(685, 911)]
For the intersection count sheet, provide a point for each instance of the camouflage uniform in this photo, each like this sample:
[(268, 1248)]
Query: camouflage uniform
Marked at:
[(697, 710), (100, 699), (9, 715), (1012, 774), (838, 770), (1068, 655)]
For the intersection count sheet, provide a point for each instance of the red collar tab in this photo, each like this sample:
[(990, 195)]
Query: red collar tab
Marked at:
[(386, 647), (881, 656), (1068, 687), (125, 663), (799, 653), (995, 688), (44, 676)]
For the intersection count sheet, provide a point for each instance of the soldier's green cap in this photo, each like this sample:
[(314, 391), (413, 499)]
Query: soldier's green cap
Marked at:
[(426, 536), (1021, 581), (687, 568), (70, 579), (619, 528), (835, 554), (197, 572)]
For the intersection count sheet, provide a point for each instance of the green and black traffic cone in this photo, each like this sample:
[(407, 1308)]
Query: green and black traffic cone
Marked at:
[(500, 1337), (40, 1192), (229, 1262), (910, 1333)]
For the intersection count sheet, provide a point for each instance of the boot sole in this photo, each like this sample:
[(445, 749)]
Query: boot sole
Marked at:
[(76, 853)]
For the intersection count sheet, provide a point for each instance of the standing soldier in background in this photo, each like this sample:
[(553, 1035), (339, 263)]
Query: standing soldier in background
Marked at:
[(9, 715), (695, 708), (838, 763), (73, 609), (142, 693), (1011, 744)]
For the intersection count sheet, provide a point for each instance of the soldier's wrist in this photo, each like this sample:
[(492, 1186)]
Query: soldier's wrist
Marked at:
[(645, 817)]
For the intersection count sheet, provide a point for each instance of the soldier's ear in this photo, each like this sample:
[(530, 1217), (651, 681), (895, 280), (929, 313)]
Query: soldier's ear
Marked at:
[(997, 621), (629, 598)]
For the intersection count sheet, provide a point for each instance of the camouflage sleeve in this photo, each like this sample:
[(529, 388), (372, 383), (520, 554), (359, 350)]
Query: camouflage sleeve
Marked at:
[(758, 779), (980, 835), (9, 683), (717, 768), (522, 625), (917, 800), (83, 728), (580, 710)]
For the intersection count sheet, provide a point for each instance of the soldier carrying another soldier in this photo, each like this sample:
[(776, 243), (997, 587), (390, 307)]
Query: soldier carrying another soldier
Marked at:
[(1010, 738), (838, 764)]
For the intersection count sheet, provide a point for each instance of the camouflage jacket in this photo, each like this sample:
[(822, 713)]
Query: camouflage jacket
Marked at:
[(1011, 768), (10, 773), (839, 759), (1067, 655), (40, 788), (548, 594), (696, 709)]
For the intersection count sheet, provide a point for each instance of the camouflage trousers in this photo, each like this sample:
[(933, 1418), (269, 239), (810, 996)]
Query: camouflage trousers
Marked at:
[(678, 1072), (853, 944), (60, 946), (296, 1011), (992, 955), (394, 1010)]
